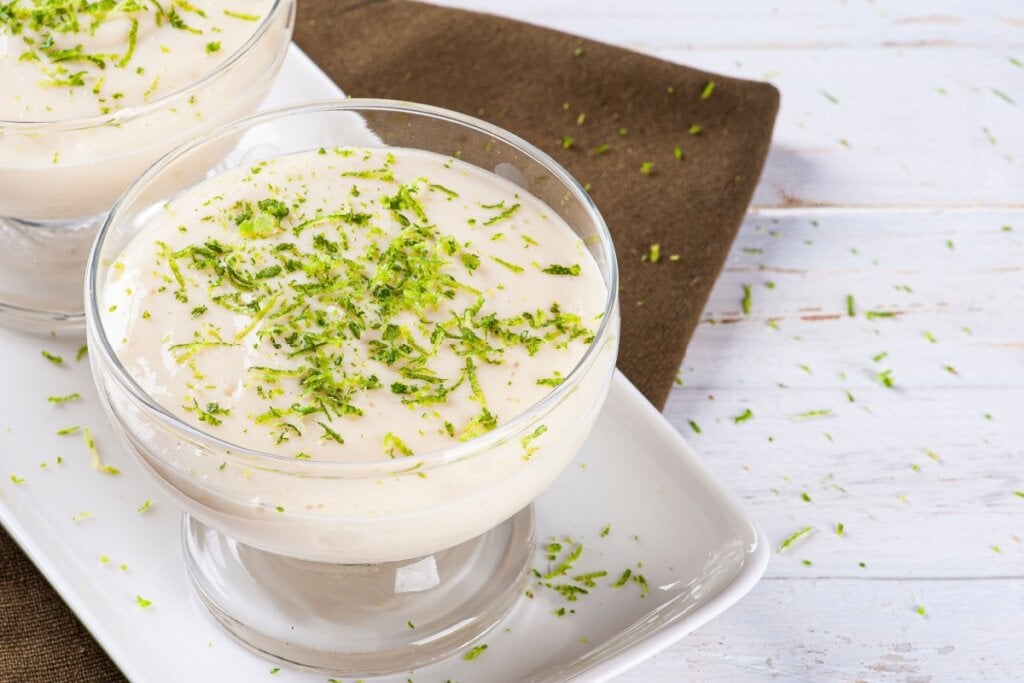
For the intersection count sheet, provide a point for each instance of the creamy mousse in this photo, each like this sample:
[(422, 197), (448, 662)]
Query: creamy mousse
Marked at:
[(352, 304)]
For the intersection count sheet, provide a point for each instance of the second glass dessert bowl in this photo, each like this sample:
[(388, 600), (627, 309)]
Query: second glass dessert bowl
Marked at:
[(60, 173), (375, 564)]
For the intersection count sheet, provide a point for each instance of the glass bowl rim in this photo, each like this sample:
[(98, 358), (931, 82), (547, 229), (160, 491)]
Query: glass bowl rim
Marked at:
[(419, 461), (127, 114)]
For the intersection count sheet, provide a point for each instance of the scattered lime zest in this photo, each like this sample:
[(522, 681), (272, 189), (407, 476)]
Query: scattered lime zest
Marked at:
[(695, 427), (828, 96), (475, 652), (53, 358), (623, 579), (743, 417), (83, 351), (885, 377), (807, 414), (144, 508), (15, 479), (94, 454), (695, 129), (709, 88), (647, 167), (850, 307), (142, 602), (920, 610), (840, 529), (872, 315), (68, 430), (795, 537), (745, 302), (64, 399), (1003, 96)]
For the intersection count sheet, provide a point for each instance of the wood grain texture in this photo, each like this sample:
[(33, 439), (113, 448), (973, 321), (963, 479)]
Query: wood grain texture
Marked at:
[(896, 177)]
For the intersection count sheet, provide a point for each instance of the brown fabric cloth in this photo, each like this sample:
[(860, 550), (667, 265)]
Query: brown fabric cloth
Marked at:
[(542, 85)]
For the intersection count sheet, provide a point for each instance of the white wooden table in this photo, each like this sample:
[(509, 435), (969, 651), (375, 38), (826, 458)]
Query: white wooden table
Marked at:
[(896, 177)]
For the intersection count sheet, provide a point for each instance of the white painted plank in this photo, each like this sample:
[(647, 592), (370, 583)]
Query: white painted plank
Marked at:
[(845, 630), (886, 127), (865, 463), (956, 275), (726, 24), (883, 104)]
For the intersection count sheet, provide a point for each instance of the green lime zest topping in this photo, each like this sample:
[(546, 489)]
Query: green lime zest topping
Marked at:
[(83, 351), (142, 602), (212, 47), (242, 15), (511, 266), (507, 213), (695, 427), (392, 443), (745, 302), (555, 269), (144, 508), (709, 88), (527, 441), (64, 399)]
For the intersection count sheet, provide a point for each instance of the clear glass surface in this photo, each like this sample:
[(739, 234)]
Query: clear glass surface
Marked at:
[(471, 490), (50, 212)]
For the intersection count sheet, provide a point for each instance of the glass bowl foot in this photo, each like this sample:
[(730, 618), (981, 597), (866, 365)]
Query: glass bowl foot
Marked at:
[(42, 267), (361, 620)]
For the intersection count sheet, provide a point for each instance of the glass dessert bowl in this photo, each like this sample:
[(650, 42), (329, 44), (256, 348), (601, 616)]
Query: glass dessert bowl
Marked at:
[(92, 97), (388, 527)]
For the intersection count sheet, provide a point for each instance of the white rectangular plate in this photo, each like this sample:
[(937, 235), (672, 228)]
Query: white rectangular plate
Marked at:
[(636, 498)]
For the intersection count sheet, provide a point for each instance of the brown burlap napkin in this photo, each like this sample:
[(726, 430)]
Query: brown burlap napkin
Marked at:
[(671, 155)]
